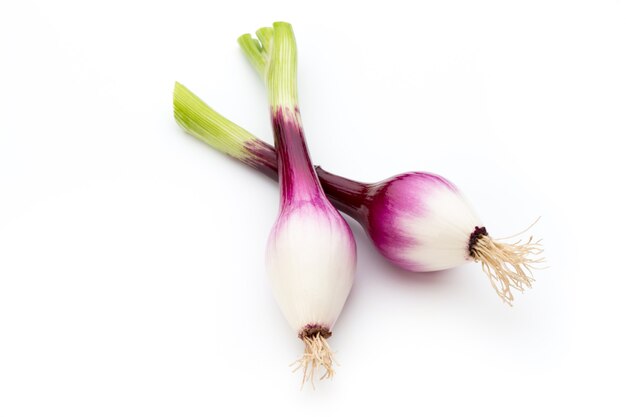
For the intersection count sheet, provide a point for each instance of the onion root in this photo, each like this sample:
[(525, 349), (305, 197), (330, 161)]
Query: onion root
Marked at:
[(317, 353), (508, 265)]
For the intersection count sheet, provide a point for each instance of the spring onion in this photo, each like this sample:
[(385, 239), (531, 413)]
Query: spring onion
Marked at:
[(311, 253)]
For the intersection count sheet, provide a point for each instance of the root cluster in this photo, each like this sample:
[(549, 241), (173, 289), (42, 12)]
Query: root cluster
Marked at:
[(317, 354), (508, 265)]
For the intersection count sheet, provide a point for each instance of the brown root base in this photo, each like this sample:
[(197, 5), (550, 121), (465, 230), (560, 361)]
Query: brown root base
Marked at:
[(476, 234), (310, 330)]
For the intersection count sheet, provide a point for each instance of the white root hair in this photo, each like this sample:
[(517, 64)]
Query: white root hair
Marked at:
[(508, 265), (317, 353)]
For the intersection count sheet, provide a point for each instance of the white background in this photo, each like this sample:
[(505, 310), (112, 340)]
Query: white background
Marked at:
[(132, 256)]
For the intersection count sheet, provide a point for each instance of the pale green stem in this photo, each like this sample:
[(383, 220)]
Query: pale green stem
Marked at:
[(265, 35), (275, 58), (204, 123), (254, 52), (282, 68)]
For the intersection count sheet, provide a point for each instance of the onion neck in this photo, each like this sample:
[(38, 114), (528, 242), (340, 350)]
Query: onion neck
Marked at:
[(297, 178), (347, 195)]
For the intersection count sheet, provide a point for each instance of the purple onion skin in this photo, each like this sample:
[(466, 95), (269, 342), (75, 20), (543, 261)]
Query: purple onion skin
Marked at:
[(299, 184), (297, 180), (378, 207)]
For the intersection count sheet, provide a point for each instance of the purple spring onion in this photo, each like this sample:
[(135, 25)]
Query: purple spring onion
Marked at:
[(417, 220), (311, 253)]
